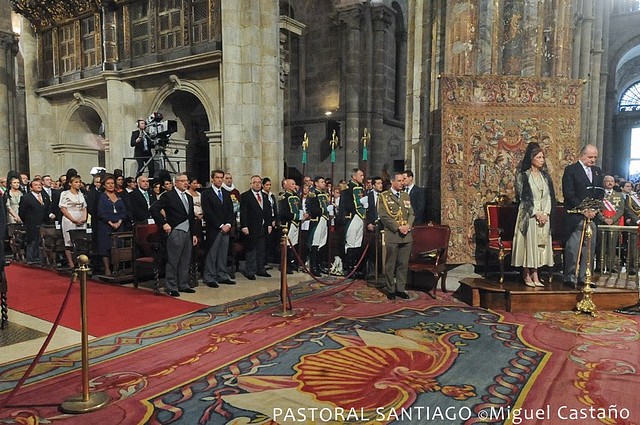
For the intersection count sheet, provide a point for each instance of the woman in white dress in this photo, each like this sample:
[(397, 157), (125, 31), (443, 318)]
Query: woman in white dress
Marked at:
[(532, 246), (13, 196), (74, 213)]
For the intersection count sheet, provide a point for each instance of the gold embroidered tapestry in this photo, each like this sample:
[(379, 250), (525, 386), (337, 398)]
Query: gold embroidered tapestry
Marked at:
[(487, 122)]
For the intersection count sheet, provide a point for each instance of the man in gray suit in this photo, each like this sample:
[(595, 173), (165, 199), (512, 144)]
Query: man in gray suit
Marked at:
[(396, 215)]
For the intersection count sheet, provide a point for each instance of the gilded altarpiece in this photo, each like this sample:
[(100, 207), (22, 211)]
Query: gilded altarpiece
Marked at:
[(487, 122)]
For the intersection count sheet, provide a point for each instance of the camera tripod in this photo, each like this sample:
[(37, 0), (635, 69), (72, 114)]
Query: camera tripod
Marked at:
[(162, 162)]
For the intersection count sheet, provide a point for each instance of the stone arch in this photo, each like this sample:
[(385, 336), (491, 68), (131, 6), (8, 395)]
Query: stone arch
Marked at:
[(175, 84)]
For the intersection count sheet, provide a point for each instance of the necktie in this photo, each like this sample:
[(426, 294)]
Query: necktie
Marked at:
[(588, 169), (39, 196), (185, 201), (220, 195), (146, 196), (398, 195), (259, 198)]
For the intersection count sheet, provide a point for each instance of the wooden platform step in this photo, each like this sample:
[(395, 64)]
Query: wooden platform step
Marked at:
[(516, 297)]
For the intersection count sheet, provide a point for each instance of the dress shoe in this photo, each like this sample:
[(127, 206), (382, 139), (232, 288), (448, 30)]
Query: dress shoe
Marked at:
[(538, 284), (403, 295), (188, 291), (212, 284), (228, 282), (250, 276), (569, 283), (391, 296), (263, 274), (173, 293), (631, 273)]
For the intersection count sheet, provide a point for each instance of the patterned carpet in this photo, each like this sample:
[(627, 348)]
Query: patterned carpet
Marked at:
[(349, 355)]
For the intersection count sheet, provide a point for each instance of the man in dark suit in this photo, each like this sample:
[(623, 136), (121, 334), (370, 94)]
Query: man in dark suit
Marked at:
[(140, 200), (418, 196), (217, 208), (142, 145), (178, 223), (35, 210), (580, 180), (255, 224), (372, 224)]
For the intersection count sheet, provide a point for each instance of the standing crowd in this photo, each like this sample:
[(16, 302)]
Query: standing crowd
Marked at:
[(217, 218)]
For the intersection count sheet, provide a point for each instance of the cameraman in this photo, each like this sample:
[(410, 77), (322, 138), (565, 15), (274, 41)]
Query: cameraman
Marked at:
[(142, 144)]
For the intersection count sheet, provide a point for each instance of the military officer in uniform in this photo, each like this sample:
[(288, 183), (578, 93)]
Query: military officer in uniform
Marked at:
[(289, 205), (396, 216), (611, 213), (317, 205), (352, 213), (632, 218)]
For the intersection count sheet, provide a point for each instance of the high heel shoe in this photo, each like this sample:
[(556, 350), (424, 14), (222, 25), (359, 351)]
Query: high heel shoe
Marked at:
[(528, 281), (536, 280)]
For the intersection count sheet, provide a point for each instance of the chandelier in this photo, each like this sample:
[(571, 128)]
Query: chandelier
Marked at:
[(44, 13)]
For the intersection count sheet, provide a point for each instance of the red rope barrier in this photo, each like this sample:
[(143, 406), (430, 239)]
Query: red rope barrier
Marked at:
[(36, 359)]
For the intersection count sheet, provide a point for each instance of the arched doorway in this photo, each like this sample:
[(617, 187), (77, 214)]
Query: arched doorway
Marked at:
[(193, 122)]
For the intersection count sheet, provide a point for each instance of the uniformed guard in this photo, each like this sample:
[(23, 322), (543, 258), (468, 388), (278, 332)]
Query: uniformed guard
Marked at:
[(611, 214), (289, 205), (396, 216), (632, 218), (352, 214), (318, 210)]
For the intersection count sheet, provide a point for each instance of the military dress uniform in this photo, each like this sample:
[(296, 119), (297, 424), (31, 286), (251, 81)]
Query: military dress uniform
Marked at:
[(353, 214), (612, 209), (317, 208), (289, 205), (394, 210), (632, 218)]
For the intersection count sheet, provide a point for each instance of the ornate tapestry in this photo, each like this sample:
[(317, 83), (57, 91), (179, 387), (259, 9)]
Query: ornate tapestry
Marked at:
[(487, 122)]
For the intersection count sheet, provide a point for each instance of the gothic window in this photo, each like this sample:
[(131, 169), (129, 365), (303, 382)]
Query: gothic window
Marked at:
[(169, 24), (67, 49), (630, 100), (139, 28), (46, 41), (89, 42), (200, 20)]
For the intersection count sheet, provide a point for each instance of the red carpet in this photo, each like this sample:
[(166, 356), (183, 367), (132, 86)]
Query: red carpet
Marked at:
[(111, 308)]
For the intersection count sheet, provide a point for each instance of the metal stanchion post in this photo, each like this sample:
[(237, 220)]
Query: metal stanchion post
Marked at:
[(283, 277), (85, 402), (586, 304)]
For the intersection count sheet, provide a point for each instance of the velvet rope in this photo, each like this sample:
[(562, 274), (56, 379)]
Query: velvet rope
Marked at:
[(36, 359)]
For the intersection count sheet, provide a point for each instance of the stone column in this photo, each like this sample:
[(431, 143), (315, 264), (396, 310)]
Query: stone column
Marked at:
[(252, 119), (352, 20), (109, 36), (8, 142), (379, 149), (214, 138)]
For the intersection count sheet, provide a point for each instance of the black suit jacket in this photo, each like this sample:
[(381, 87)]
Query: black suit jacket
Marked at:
[(255, 218), (138, 148), (372, 211), (418, 196), (576, 187), (3, 232), (34, 214), (216, 212), (138, 205), (174, 209)]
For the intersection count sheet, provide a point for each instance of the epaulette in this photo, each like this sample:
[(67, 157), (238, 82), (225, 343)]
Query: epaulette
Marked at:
[(311, 195), (281, 196)]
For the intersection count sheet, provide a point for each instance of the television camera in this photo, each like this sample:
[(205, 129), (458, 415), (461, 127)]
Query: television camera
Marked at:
[(160, 131)]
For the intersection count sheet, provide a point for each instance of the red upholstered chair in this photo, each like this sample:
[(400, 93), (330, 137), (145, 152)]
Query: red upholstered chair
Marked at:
[(501, 222), (147, 253), (429, 252)]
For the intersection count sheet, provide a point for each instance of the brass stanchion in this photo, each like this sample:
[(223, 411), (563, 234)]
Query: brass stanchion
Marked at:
[(283, 277), (586, 304), (85, 402)]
